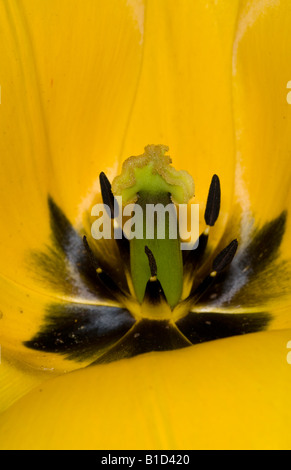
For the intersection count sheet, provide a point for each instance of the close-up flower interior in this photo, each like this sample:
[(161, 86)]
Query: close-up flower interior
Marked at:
[(113, 333)]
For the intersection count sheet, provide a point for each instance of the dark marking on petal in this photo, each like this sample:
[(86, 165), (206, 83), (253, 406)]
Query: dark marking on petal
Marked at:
[(256, 274), (145, 336), (202, 327), (71, 244), (66, 265), (64, 235), (93, 260), (81, 332), (264, 245), (198, 292)]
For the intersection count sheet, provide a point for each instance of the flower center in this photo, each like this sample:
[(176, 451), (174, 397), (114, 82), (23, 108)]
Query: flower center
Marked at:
[(150, 188), (139, 294)]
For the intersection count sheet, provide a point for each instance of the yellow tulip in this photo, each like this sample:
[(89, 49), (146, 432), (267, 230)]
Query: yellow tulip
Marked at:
[(84, 85)]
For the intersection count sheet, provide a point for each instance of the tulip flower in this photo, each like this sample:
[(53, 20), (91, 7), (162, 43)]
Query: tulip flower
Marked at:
[(136, 344)]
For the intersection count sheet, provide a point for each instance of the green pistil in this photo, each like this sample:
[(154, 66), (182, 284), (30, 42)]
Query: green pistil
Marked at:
[(149, 179), (166, 252)]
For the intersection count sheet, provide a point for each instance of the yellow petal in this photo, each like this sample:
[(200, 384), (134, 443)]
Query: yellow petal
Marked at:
[(184, 95), (68, 78), (21, 368), (261, 53), (262, 115), (26, 314), (80, 96), (228, 394), (16, 380)]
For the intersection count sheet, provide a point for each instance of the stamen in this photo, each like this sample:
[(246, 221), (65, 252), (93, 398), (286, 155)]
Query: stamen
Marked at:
[(213, 202), (220, 263), (152, 261), (91, 255), (210, 216), (225, 257), (107, 195), (104, 278), (109, 200), (154, 293), (193, 257)]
